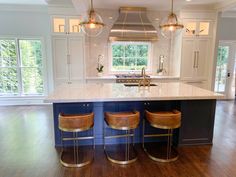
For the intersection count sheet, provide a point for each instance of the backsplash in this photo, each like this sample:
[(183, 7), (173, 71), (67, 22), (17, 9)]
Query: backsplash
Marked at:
[(100, 44)]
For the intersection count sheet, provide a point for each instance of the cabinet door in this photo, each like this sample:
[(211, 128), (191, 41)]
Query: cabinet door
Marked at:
[(190, 28), (76, 54), (204, 28), (201, 58), (59, 25), (60, 60), (187, 63)]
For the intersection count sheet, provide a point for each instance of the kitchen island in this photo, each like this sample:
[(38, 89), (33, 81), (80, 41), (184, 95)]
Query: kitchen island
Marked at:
[(197, 106)]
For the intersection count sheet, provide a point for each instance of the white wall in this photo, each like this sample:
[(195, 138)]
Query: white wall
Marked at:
[(226, 30), (32, 21), (100, 44)]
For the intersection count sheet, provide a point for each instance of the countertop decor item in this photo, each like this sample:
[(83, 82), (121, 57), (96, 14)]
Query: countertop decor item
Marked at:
[(93, 25), (171, 24), (100, 66)]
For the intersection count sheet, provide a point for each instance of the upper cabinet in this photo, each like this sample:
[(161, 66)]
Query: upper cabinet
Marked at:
[(65, 25), (197, 28)]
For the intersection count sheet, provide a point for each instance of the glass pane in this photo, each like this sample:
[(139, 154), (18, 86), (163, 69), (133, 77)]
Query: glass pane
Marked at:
[(30, 52), (59, 25), (8, 53), (221, 68), (74, 25), (204, 28), (32, 79), (130, 50), (190, 28), (130, 63), (142, 50), (118, 50), (8, 81)]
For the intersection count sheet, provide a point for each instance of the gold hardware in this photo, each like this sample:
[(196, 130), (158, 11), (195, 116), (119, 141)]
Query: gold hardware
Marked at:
[(144, 82)]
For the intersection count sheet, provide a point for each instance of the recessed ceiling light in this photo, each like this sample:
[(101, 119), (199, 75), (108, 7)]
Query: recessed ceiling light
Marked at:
[(156, 19), (188, 0), (110, 18)]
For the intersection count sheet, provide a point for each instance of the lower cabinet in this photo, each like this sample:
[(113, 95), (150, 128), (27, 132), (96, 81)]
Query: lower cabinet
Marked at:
[(197, 122)]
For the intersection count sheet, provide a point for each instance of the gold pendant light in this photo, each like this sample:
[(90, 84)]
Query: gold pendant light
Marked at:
[(93, 25), (170, 24)]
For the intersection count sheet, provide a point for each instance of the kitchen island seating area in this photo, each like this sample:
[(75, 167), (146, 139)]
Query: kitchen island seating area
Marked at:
[(122, 121)]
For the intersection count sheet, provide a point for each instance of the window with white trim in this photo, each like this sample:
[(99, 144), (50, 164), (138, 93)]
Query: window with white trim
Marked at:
[(21, 67), (130, 56)]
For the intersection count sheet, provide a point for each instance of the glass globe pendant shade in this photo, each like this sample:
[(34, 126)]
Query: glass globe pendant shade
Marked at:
[(93, 25), (171, 26)]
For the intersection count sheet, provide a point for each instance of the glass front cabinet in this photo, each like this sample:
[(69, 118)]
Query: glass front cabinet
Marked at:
[(65, 25), (196, 28)]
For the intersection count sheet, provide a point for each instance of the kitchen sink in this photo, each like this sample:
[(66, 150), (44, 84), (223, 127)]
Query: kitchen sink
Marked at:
[(136, 85)]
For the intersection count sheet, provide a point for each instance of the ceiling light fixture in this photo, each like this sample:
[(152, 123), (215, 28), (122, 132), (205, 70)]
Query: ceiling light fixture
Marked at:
[(93, 25), (171, 24)]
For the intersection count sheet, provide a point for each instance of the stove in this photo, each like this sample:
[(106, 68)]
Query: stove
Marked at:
[(130, 78)]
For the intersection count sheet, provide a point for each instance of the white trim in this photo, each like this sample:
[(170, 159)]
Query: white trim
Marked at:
[(149, 62), (226, 5)]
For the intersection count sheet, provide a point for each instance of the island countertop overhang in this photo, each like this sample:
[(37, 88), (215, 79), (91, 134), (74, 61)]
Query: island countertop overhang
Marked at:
[(90, 92)]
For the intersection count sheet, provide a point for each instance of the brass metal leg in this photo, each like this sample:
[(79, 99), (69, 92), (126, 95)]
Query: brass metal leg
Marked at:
[(76, 160), (128, 157), (171, 154)]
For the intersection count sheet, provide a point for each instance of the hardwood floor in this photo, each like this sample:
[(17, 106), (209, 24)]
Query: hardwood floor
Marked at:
[(27, 150)]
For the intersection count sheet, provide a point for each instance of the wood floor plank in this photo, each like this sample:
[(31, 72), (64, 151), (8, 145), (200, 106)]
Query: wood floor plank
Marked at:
[(27, 150)]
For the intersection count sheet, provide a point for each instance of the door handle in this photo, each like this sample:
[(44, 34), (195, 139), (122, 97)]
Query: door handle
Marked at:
[(197, 58), (194, 63), (228, 74)]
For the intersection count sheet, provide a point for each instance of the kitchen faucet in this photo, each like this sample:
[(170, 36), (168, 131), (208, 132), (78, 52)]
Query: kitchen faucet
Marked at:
[(144, 81)]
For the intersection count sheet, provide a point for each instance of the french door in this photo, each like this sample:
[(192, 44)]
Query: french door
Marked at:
[(225, 69)]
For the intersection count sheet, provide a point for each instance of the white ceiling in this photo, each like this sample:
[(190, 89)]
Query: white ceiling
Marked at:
[(115, 4), (152, 4), (35, 2)]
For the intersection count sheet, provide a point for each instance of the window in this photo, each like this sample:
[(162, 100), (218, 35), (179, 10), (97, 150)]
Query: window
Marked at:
[(130, 56), (21, 67)]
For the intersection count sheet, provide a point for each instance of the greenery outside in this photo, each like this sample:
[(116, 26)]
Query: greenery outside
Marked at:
[(129, 56), (21, 75), (221, 68)]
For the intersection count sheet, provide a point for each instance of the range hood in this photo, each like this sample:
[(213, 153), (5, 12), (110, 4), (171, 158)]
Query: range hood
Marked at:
[(133, 25)]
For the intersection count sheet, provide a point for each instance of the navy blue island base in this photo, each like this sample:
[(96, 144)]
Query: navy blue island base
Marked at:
[(197, 123)]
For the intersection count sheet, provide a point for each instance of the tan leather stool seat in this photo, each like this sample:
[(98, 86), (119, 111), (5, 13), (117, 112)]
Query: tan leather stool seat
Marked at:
[(76, 122), (164, 119), (122, 120)]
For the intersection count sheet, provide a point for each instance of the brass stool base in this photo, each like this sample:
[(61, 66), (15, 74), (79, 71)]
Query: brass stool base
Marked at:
[(158, 152), (68, 160), (122, 157)]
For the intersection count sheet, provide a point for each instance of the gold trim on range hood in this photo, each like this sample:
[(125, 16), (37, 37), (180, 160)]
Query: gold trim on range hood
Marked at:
[(133, 25)]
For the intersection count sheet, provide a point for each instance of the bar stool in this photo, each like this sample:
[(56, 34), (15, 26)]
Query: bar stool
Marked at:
[(73, 124), (165, 120), (124, 121)]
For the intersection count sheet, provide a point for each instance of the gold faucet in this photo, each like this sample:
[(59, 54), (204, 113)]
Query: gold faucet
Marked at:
[(144, 82)]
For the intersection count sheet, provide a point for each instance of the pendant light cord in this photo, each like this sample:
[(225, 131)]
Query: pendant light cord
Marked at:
[(172, 6), (92, 5)]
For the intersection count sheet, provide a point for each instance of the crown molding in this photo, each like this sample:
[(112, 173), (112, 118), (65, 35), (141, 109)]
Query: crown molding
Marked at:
[(226, 5), (24, 8)]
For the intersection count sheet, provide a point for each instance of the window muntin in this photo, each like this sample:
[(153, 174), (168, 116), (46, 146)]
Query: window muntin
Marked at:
[(21, 67), (130, 56)]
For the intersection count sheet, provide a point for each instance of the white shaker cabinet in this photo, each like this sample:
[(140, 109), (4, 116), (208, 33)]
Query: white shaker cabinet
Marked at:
[(68, 55), (195, 54)]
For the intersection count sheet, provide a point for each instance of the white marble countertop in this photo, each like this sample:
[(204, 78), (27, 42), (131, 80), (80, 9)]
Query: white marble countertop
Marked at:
[(118, 92)]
